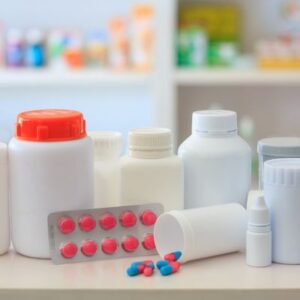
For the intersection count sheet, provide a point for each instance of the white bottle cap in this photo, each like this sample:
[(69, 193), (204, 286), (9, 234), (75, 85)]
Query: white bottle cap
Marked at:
[(150, 140), (34, 36), (258, 214), (214, 121), (106, 144), (14, 36)]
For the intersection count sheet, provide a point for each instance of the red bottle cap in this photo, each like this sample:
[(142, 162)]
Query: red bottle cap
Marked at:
[(89, 248), (66, 225), (130, 244), (148, 242), (109, 246), (87, 223), (128, 219), (68, 250), (50, 125), (148, 217), (107, 221)]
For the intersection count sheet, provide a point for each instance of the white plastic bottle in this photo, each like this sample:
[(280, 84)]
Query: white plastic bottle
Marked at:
[(50, 169), (151, 172), (107, 172), (259, 236), (201, 232), (217, 162), (4, 218)]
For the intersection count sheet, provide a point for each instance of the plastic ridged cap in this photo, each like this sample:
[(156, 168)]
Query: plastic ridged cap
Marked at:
[(150, 139), (107, 143), (279, 146), (3, 154), (283, 172), (258, 214), (214, 121), (50, 125)]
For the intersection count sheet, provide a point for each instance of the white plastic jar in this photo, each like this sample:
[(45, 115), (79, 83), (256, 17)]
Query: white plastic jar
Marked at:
[(4, 217), (151, 172), (281, 191), (217, 162), (107, 172), (50, 169)]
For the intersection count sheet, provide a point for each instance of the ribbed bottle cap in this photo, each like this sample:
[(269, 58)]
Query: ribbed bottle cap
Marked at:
[(258, 213), (214, 121), (150, 139), (279, 146), (283, 172), (106, 143)]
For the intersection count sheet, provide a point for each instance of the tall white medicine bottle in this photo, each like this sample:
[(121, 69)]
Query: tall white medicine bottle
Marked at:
[(50, 169), (217, 162), (107, 172), (151, 172), (4, 217)]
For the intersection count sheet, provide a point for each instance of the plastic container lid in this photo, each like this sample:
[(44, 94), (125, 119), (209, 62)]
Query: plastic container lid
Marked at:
[(279, 146), (258, 213), (51, 125), (283, 172), (106, 143), (214, 121), (150, 139)]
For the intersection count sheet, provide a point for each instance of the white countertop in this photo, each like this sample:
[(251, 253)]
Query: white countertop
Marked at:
[(222, 277)]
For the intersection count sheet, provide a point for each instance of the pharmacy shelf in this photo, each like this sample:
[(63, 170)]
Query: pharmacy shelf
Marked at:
[(209, 77), (45, 77), (222, 277)]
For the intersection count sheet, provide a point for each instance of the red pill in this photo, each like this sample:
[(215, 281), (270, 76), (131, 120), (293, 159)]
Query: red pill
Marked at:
[(148, 242), (87, 223), (141, 268), (89, 248), (128, 219), (66, 225), (175, 265), (107, 221), (130, 244), (170, 257), (68, 250), (109, 246), (148, 271), (148, 217)]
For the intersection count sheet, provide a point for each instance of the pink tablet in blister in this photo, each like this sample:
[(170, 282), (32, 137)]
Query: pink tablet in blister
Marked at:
[(102, 233)]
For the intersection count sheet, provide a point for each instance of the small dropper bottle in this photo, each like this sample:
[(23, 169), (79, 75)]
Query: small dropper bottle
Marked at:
[(259, 235)]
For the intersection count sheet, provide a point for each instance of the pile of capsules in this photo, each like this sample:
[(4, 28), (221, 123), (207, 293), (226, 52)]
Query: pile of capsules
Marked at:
[(166, 267)]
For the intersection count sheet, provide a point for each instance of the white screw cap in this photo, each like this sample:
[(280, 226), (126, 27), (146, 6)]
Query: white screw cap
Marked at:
[(258, 214)]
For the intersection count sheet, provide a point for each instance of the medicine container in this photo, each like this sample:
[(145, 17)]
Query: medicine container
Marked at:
[(50, 169), (151, 172), (107, 172), (276, 147), (4, 218), (217, 162)]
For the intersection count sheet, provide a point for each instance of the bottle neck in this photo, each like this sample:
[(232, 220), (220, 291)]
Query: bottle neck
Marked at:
[(149, 154)]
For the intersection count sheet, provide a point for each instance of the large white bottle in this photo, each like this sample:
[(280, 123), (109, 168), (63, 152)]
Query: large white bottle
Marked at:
[(4, 218), (151, 172), (217, 162)]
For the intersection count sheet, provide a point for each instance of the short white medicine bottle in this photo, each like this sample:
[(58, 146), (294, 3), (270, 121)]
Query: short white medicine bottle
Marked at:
[(151, 172), (217, 162), (107, 173), (50, 169)]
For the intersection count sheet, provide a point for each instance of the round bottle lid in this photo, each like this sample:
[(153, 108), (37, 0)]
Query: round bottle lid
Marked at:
[(214, 121), (50, 125), (279, 146)]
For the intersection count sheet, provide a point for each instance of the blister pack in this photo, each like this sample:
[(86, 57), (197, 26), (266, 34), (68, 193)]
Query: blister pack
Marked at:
[(102, 233)]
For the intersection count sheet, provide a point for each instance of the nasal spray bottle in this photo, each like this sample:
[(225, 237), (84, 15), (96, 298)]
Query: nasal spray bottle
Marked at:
[(259, 236)]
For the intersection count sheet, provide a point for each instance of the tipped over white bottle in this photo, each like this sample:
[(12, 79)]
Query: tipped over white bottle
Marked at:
[(4, 218), (259, 236)]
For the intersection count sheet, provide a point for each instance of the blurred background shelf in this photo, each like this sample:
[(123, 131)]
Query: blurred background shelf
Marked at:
[(204, 77), (33, 78)]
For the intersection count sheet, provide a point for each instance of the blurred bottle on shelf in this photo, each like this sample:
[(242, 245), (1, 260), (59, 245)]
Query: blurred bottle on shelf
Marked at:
[(14, 48), (73, 53), (142, 38), (56, 44), (96, 48), (119, 43), (35, 48)]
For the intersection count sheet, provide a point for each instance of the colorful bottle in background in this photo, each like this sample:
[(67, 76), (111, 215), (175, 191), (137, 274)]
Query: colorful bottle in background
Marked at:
[(14, 48), (56, 44), (35, 48), (73, 53)]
